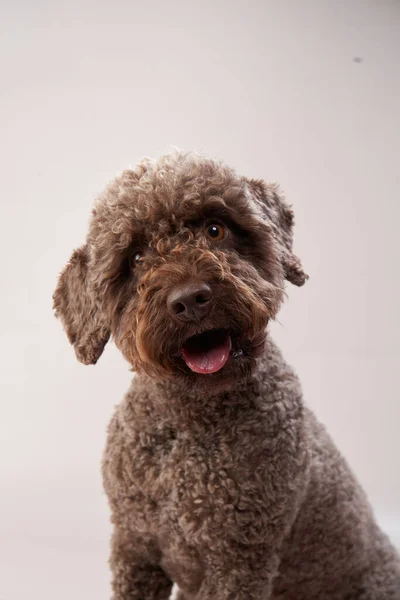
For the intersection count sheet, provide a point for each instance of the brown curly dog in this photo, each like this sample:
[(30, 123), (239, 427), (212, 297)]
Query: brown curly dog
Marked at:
[(218, 477)]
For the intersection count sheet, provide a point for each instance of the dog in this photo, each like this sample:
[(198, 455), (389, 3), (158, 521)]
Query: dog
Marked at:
[(220, 480)]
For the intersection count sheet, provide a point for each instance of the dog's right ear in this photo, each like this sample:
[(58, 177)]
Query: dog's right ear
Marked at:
[(75, 303)]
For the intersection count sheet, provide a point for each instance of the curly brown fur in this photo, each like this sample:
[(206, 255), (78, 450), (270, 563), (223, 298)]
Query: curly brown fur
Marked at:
[(223, 482)]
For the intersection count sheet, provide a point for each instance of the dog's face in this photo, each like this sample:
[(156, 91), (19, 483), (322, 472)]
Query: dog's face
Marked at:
[(184, 266)]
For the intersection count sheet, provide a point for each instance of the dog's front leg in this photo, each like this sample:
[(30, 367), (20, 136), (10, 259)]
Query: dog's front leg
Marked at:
[(135, 569), (237, 573)]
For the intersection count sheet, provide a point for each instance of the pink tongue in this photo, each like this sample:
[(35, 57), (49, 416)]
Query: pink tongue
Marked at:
[(208, 361)]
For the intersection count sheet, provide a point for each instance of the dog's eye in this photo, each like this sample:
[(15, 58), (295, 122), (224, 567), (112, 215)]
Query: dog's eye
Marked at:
[(137, 258), (216, 231)]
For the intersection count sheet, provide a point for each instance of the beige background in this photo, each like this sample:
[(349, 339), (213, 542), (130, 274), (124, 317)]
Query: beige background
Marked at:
[(307, 93)]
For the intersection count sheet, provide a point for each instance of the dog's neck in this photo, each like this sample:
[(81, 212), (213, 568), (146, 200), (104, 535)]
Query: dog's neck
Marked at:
[(175, 403)]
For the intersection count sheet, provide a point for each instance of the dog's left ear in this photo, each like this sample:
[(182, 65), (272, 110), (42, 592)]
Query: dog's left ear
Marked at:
[(76, 304), (271, 206)]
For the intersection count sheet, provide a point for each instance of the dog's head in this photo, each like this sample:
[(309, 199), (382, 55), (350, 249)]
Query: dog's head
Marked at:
[(184, 265)]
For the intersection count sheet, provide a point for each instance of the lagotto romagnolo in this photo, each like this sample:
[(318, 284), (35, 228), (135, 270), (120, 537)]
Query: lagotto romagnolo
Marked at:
[(219, 477)]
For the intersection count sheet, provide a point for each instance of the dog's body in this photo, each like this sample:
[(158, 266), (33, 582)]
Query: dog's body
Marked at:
[(218, 478), (230, 490)]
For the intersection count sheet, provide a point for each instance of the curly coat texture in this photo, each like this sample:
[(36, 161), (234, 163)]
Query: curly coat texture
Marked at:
[(223, 483)]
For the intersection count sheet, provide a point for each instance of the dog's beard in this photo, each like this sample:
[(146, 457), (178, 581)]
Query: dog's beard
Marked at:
[(222, 347), (157, 346)]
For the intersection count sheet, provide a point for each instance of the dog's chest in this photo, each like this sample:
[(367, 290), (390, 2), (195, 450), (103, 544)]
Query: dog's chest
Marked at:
[(197, 485)]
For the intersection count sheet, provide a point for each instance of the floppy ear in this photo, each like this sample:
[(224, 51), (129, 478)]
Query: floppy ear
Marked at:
[(272, 207), (75, 303)]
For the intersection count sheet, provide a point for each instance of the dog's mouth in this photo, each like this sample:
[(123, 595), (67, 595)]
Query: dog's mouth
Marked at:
[(207, 352)]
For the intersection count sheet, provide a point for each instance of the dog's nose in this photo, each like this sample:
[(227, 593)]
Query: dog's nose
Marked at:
[(190, 302)]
